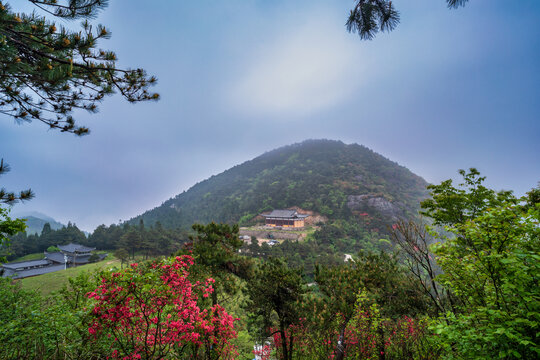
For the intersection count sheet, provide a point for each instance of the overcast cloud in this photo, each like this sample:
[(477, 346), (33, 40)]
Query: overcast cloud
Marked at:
[(448, 89)]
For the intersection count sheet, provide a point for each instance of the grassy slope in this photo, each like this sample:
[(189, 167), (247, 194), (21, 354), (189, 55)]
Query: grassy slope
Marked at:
[(34, 256), (54, 281)]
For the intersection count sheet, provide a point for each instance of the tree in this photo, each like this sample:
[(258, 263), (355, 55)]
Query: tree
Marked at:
[(368, 17), (47, 72), (8, 226), (9, 197), (379, 276), (414, 239), (131, 241), (121, 254), (490, 263), (276, 289), (215, 248), (153, 311)]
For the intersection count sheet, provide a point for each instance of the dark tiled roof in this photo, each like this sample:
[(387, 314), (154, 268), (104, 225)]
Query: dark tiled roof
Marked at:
[(282, 213), (52, 262), (32, 272), (285, 214), (57, 257), (75, 248), (24, 264)]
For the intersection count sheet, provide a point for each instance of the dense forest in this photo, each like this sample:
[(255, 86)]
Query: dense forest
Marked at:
[(346, 183), (361, 193), (463, 287), (124, 240)]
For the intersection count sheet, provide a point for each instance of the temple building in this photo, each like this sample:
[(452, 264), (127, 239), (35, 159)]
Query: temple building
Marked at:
[(76, 254), (69, 255), (285, 218)]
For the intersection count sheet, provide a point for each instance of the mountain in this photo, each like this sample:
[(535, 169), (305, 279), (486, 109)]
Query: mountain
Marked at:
[(35, 221), (350, 185)]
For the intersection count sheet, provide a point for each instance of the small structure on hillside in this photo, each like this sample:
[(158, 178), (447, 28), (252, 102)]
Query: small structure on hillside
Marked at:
[(76, 254), (23, 269), (285, 218), (70, 255)]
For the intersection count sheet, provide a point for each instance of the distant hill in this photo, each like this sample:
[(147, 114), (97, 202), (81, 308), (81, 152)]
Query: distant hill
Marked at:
[(349, 184), (36, 220)]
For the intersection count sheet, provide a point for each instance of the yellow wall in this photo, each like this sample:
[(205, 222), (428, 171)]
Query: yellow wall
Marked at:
[(297, 223)]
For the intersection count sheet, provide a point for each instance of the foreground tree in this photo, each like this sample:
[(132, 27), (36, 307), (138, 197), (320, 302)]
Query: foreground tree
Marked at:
[(382, 283), (368, 17), (47, 72), (215, 248), (153, 311), (276, 291), (9, 226), (490, 263), (414, 239)]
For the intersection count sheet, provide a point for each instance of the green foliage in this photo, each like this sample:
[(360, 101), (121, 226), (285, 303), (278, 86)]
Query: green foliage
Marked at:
[(8, 227), (368, 17), (23, 244), (317, 175), (276, 291), (36, 328), (449, 205), (52, 249), (9, 197), (490, 263), (52, 71), (215, 249), (148, 241), (492, 266)]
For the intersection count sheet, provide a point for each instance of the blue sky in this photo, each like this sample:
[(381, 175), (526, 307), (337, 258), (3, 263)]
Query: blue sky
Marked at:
[(448, 89)]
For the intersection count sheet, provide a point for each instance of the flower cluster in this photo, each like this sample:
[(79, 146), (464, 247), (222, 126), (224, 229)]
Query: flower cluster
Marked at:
[(154, 311)]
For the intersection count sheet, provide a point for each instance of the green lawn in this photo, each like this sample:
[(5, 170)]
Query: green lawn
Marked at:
[(54, 281), (35, 256)]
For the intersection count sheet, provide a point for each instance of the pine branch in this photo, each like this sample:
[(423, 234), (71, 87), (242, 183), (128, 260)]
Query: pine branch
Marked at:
[(46, 73), (368, 17), (8, 197)]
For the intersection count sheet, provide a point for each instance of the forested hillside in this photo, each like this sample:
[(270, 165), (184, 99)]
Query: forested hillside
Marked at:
[(35, 223), (358, 190)]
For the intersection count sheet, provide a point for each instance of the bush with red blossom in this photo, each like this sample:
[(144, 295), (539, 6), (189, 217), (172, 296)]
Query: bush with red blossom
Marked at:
[(154, 311)]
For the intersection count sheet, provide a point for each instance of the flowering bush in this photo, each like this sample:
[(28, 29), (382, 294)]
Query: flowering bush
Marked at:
[(366, 336), (153, 311)]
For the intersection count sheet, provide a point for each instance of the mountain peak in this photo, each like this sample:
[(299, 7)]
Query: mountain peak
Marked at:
[(337, 180)]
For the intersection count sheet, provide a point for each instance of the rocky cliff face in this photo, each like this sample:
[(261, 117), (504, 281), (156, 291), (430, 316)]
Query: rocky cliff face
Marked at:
[(378, 203)]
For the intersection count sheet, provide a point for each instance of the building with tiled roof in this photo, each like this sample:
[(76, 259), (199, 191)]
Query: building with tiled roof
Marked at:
[(70, 255), (285, 218)]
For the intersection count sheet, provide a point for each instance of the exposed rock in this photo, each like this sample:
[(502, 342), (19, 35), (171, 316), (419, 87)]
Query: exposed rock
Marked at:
[(379, 203)]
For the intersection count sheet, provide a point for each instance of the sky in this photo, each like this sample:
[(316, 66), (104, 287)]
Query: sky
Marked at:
[(448, 89)]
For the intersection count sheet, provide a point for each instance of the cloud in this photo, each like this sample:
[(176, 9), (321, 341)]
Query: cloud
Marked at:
[(303, 69)]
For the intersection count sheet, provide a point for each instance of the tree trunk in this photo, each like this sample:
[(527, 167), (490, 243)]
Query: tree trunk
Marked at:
[(382, 353), (283, 342), (340, 348)]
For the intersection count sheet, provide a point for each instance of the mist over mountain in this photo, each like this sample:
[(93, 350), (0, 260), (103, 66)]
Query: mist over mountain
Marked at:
[(35, 221), (341, 182)]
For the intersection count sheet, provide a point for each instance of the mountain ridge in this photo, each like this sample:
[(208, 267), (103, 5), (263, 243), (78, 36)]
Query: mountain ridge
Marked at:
[(340, 181)]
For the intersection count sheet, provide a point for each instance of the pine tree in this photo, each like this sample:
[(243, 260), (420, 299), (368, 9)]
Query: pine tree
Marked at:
[(48, 71), (9, 197), (368, 17)]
